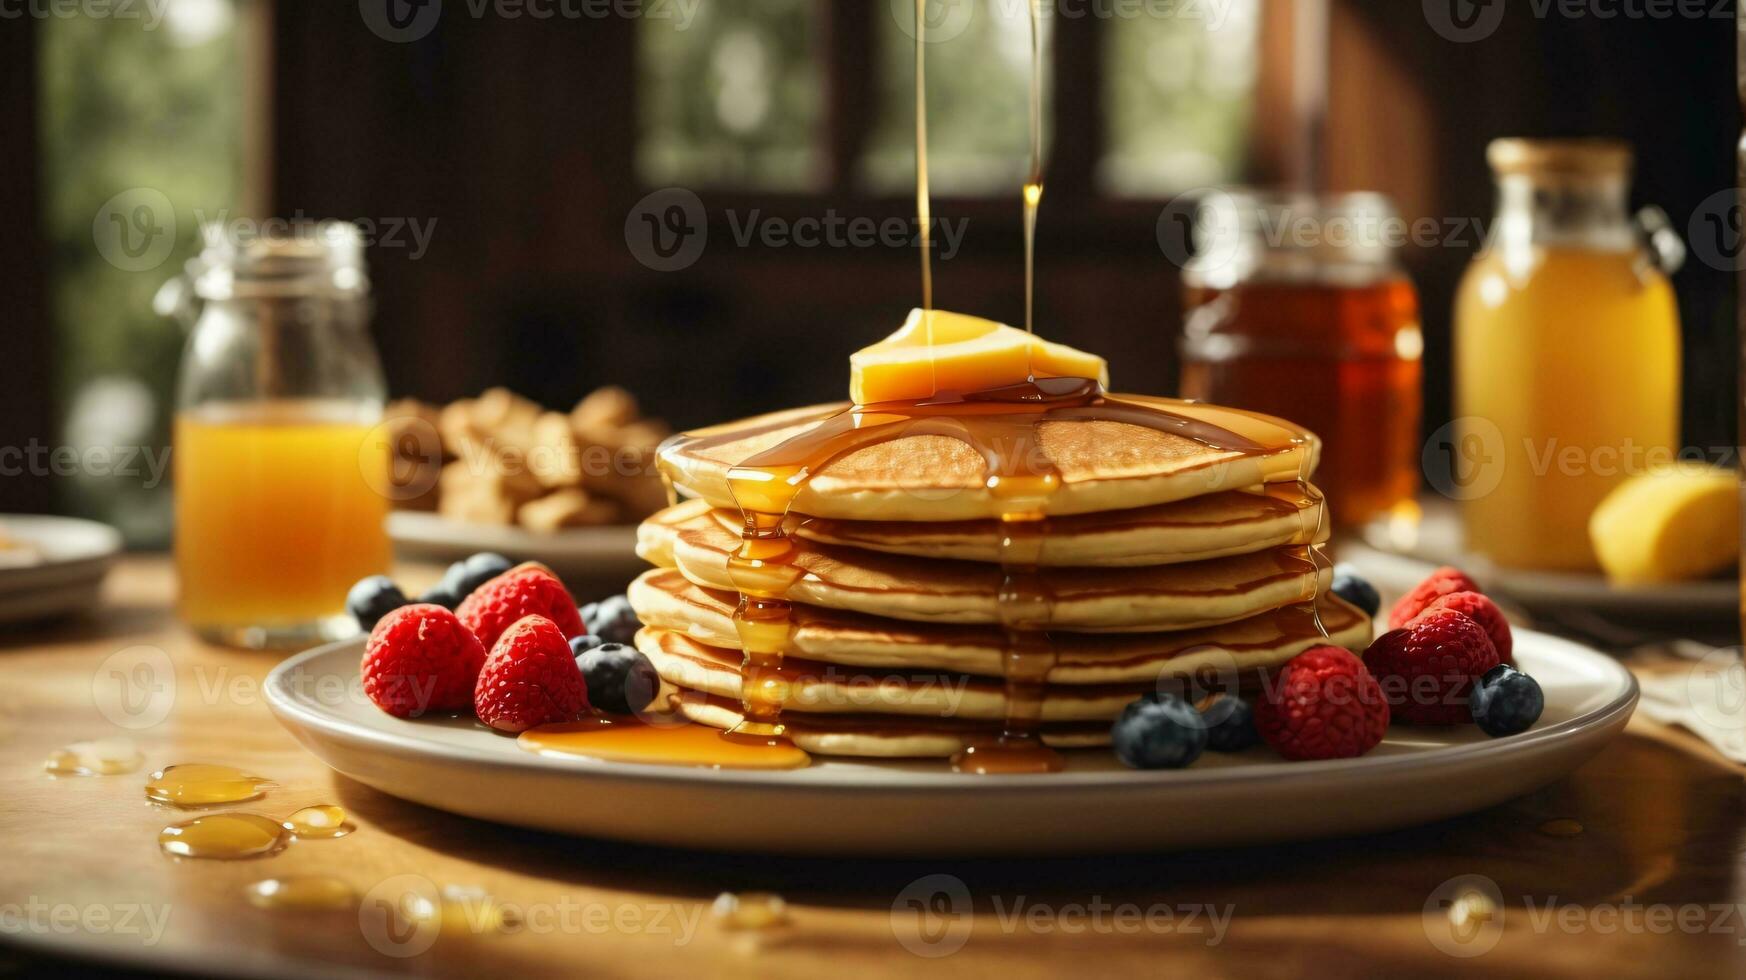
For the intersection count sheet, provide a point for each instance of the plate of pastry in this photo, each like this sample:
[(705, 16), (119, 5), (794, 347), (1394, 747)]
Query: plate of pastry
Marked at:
[(500, 473)]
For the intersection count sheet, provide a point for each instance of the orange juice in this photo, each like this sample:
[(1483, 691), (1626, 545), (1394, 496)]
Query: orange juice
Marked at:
[(278, 513), (1567, 372)]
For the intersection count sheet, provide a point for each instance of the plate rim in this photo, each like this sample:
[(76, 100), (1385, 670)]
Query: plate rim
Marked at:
[(287, 709)]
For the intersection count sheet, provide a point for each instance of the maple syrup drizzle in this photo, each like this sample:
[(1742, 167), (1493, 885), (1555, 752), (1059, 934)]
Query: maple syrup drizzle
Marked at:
[(923, 210), (1001, 425), (1033, 189)]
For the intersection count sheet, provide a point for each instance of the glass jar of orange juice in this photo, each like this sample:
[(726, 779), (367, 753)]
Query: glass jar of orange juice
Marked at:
[(279, 483), (1567, 354)]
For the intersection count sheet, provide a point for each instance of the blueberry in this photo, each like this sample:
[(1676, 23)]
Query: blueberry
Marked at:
[(1506, 701), (612, 619), (620, 679), (372, 598), (584, 643), (1230, 724), (1159, 731), (440, 595), (469, 573), (1357, 590)]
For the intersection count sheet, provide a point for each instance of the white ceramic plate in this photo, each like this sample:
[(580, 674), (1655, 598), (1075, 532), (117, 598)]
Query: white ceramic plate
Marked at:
[(920, 808), (75, 557), (1399, 566), (593, 561)]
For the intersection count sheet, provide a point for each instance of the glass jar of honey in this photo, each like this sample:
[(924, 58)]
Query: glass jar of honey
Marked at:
[(1567, 354), (1296, 306), (279, 483)]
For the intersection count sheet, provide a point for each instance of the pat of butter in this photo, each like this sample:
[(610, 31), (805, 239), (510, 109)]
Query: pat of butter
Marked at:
[(960, 353)]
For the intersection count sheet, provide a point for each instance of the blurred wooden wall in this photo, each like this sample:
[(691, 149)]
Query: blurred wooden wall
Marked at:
[(516, 138)]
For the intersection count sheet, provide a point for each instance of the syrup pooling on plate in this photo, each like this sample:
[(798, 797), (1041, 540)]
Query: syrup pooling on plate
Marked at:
[(1001, 425), (618, 740)]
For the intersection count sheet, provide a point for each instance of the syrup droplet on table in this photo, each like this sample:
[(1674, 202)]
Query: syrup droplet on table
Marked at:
[(749, 911), (225, 837), (1469, 910), (321, 822), (201, 784), (461, 909), (313, 893), (1564, 827), (98, 757)]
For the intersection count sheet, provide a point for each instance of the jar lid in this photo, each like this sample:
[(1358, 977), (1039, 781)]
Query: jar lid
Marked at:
[(1347, 238), (1560, 157), (279, 258)]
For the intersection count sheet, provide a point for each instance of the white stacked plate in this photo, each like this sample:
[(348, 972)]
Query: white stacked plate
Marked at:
[(867, 807), (71, 557), (1398, 565)]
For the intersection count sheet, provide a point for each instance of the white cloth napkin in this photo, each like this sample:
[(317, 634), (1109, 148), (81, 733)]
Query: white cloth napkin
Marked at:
[(1708, 700)]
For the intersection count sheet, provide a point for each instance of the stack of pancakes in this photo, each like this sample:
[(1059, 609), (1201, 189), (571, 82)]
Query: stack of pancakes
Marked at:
[(1163, 559)]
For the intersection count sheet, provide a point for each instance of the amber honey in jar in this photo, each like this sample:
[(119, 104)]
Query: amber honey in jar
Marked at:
[(1295, 306)]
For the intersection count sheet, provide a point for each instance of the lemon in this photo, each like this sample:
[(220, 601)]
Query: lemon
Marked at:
[(1672, 524)]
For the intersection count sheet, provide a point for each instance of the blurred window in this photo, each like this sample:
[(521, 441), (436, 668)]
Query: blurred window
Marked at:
[(737, 97), (978, 81), (1178, 94), (141, 136), (733, 96)]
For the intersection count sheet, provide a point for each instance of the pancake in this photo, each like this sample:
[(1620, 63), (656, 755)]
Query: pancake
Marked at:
[(1103, 464), (665, 600), (1115, 600), (1217, 525), (887, 737), (818, 688)]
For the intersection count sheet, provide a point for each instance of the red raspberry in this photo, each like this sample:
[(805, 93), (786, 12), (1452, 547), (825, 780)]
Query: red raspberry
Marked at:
[(1323, 705), (525, 590), (1442, 582), (1427, 669), (1484, 612), (420, 658), (530, 678)]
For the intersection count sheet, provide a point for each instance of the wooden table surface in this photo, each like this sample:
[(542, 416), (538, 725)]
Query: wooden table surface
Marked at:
[(1654, 883)]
